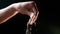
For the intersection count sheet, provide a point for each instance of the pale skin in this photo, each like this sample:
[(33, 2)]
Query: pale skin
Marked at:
[(20, 7)]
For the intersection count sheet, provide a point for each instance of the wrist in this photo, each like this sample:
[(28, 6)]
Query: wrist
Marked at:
[(16, 6)]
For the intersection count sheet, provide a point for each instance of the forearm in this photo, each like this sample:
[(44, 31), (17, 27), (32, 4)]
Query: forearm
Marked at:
[(7, 13)]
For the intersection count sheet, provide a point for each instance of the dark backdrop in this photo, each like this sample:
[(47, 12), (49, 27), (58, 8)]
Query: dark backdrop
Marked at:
[(48, 21)]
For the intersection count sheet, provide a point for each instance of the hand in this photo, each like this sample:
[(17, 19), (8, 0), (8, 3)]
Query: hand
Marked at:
[(28, 8)]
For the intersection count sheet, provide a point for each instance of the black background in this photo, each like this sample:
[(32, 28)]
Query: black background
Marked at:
[(47, 23)]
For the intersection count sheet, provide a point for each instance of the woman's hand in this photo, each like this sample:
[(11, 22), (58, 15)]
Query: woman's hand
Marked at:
[(27, 8)]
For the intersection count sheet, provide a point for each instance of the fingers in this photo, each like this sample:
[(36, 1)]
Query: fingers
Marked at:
[(33, 19)]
